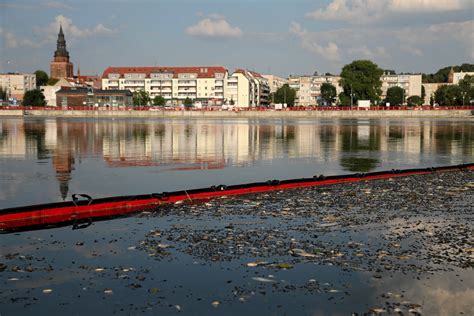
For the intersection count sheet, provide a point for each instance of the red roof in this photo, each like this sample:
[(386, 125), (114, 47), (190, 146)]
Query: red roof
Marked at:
[(201, 71)]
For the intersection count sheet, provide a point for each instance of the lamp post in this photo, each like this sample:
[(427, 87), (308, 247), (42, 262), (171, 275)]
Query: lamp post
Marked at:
[(463, 97)]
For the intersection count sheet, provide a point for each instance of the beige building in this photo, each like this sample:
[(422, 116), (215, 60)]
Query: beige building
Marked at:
[(275, 82), (16, 84), (175, 84), (458, 76), (430, 89), (411, 84), (308, 88), (247, 89)]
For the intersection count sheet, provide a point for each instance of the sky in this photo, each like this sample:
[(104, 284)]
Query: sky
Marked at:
[(268, 36)]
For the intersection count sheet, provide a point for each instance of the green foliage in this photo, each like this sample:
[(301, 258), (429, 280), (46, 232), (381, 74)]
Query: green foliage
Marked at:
[(285, 94), (159, 101), (415, 100), (188, 102), (395, 96), (448, 95), (364, 78), (328, 93), (41, 78), (52, 81), (34, 98), (442, 74), (466, 86), (141, 97), (431, 100), (423, 92), (232, 102)]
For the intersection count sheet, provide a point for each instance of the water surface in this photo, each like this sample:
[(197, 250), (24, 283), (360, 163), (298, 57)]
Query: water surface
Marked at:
[(46, 160)]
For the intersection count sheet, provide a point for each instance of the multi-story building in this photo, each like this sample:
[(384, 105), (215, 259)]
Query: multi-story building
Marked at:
[(411, 84), (455, 77), (175, 84), (16, 84), (318, 81), (247, 89), (302, 85), (275, 82)]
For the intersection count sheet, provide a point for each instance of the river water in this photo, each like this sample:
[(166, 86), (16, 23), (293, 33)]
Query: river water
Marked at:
[(47, 160), (373, 247)]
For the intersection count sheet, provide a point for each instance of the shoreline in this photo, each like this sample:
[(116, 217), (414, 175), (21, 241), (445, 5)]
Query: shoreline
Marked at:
[(242, 114)]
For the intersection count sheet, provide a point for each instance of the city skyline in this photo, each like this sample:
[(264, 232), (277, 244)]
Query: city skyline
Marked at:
[(408, 36)]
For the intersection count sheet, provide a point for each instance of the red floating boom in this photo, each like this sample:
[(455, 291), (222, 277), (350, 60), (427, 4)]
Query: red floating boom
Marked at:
[(80, 213)]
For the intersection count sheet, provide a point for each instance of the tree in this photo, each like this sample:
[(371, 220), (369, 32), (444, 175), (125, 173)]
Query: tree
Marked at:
[(231, 102), (395, 96), (362, 78), (442, 74), (188, 102), (159, 101), (41, 78), (423, 92), (415, 100), (466, 86), (285, 94), (328, 93), (448, 95), (141, 97), (34, 98)]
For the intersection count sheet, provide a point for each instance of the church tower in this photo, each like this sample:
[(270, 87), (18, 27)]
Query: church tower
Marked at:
[(60, 66)]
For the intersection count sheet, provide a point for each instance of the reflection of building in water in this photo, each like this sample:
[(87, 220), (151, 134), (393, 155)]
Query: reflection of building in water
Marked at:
[(63, 163)]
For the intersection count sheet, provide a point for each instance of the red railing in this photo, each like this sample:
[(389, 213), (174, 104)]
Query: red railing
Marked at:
[(236, 109)]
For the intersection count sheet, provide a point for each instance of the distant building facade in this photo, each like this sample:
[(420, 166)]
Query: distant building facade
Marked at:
[(175, 84), (411, 84), (61, 67), (455, 77), (247, 89), (275, 82), (308, 88), (16, 84), (81, 96)]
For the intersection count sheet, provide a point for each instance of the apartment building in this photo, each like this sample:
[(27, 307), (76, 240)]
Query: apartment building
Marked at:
[(455, 77), (275, 82), (247, 89), (411, 84), (308, 88), (16, 84), (175, 84)]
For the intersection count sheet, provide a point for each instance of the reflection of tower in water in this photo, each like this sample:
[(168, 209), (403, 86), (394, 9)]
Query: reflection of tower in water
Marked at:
[(63, 163)]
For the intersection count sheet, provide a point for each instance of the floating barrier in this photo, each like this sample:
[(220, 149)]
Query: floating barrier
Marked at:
[(83, 209)]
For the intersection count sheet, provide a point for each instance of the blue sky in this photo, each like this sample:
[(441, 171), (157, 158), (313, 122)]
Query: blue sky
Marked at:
[(280, 37)]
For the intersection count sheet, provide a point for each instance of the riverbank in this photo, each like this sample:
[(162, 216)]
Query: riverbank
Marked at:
[(398, 246), (240, 114)]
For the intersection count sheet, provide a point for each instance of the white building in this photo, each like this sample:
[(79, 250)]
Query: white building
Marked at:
[(49, 92), (247, 89), (16, 84), (175, 84), (458, 76), (411, 84)]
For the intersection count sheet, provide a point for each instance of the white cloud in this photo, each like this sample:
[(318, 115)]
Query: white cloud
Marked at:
[(72, 32), (12, 41), (366, 11), (57, 5), (214, 27), (363, 51), (309, 42), (426, 5)]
